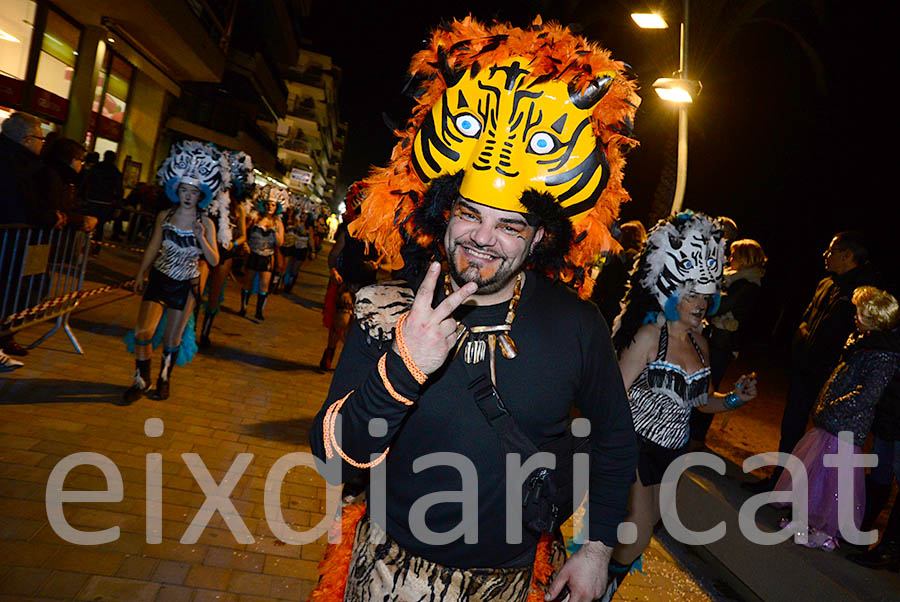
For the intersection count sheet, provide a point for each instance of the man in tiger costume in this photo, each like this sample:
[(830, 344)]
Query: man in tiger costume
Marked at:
[(500, 191)]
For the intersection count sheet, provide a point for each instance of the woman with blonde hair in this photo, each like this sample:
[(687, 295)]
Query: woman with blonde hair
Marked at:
[(741, 290)]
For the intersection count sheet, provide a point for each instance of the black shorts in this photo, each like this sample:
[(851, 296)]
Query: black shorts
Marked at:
[(168, 291), (289, 251), (302, 253), (259, 263), (654, 459), (226, 254)]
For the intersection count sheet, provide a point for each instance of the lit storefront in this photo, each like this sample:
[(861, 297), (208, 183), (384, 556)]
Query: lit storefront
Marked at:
[(39, 48)]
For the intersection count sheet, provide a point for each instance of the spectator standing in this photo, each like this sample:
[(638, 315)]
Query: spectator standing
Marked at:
[(825, 326), (613, 279), (742, 287), (869, 361), (57, 182), (729, 231), (90, 160), (102, 189), (886, 445), (21, 141)]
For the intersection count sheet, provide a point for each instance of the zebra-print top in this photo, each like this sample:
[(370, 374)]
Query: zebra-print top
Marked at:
[(180, 252), (261, 240), (663, 394)]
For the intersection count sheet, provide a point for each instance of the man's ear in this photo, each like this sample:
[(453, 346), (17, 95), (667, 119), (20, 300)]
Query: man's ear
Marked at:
[(538, 235)]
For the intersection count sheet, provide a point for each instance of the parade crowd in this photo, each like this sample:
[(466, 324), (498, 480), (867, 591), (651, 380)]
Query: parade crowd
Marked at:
[(516, 319)]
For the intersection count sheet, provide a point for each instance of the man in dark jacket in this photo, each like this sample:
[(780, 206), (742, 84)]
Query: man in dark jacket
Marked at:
[(102, 188), (826, 324), (21, 141)]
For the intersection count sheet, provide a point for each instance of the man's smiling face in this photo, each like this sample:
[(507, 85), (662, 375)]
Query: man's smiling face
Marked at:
[(487, 246)]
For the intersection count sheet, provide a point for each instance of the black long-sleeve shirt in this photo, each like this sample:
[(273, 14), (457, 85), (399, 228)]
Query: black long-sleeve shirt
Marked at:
[(565, 358)]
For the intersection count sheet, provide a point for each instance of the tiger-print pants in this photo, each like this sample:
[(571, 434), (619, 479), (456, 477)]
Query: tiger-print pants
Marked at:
[(384, 571)]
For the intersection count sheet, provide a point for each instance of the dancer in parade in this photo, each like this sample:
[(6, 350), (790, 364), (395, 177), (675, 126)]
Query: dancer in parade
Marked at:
[(232, 234), (509, 172), (664, 359), (192, 175), (296, 245), (351, 266), (264, 233)]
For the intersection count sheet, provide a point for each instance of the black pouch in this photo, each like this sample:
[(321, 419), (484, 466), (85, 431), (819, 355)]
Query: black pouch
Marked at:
[(546, 494)]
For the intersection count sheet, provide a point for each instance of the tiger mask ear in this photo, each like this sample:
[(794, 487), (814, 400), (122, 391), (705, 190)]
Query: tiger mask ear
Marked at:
[(592, 93)]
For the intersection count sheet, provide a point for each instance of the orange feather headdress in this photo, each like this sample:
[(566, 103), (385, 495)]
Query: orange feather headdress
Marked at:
[(390, 215)]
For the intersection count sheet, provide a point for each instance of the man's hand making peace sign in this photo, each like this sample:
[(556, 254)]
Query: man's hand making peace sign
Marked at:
[(430, 333)]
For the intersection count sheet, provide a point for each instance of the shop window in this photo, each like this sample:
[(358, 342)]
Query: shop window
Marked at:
[(59, 53), (16, 29), (104, 144), (117, 90), (110, 100)]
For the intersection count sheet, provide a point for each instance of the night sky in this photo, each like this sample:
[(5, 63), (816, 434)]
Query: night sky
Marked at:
[(791, 136)]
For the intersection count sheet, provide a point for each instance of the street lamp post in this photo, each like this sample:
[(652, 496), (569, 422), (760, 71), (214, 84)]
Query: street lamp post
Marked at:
[(681, 179), (680, 90)]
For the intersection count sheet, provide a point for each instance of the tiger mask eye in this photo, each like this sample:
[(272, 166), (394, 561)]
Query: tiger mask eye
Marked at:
[(510, 132)]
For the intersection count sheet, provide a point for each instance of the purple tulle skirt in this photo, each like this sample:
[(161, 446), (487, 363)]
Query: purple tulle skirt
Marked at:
[(823, 481)]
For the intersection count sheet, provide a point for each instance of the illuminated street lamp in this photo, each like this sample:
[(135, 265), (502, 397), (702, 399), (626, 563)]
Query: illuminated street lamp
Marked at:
[(679, 90)]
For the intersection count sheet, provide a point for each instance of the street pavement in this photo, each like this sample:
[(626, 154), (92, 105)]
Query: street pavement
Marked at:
[(255, 392)]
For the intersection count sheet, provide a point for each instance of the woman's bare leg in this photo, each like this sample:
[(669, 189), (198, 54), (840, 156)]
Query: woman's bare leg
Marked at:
[(643, 511)]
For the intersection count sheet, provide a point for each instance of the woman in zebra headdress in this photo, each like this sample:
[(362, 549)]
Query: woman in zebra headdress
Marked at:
[(232, 232), (664, 358), (192, 174)]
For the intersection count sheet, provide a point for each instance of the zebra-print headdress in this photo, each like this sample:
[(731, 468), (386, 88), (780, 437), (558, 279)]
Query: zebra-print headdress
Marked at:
[(683, 254), (195, 163), (242, 176)]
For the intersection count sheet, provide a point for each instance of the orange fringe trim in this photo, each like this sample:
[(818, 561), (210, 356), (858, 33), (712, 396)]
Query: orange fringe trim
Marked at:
[(554, 51), (334, 567)]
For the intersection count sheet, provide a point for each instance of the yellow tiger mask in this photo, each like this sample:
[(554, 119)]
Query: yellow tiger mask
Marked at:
[(510, 132)]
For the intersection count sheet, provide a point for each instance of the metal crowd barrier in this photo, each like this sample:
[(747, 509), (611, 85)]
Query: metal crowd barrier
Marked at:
[(41, 275)]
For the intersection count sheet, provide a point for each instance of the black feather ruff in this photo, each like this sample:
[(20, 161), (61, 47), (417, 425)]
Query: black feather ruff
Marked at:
[(549, 256)]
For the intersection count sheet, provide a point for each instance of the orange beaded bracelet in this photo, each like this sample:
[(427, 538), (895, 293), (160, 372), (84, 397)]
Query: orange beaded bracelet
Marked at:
[(382, 371), (331, 444), (417, 374)]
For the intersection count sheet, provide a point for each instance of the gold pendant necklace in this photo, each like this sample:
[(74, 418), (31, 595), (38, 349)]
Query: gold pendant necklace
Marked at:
[(478, 342)]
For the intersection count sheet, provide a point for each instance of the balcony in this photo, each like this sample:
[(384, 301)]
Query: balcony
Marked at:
[(303, 112), (185, 39), (296, 145)]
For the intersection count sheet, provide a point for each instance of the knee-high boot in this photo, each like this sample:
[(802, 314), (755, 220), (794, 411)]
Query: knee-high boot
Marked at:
[(260, 304), (245, 299), (165, 372), (208, 318), (327, 358), (140, 383)]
